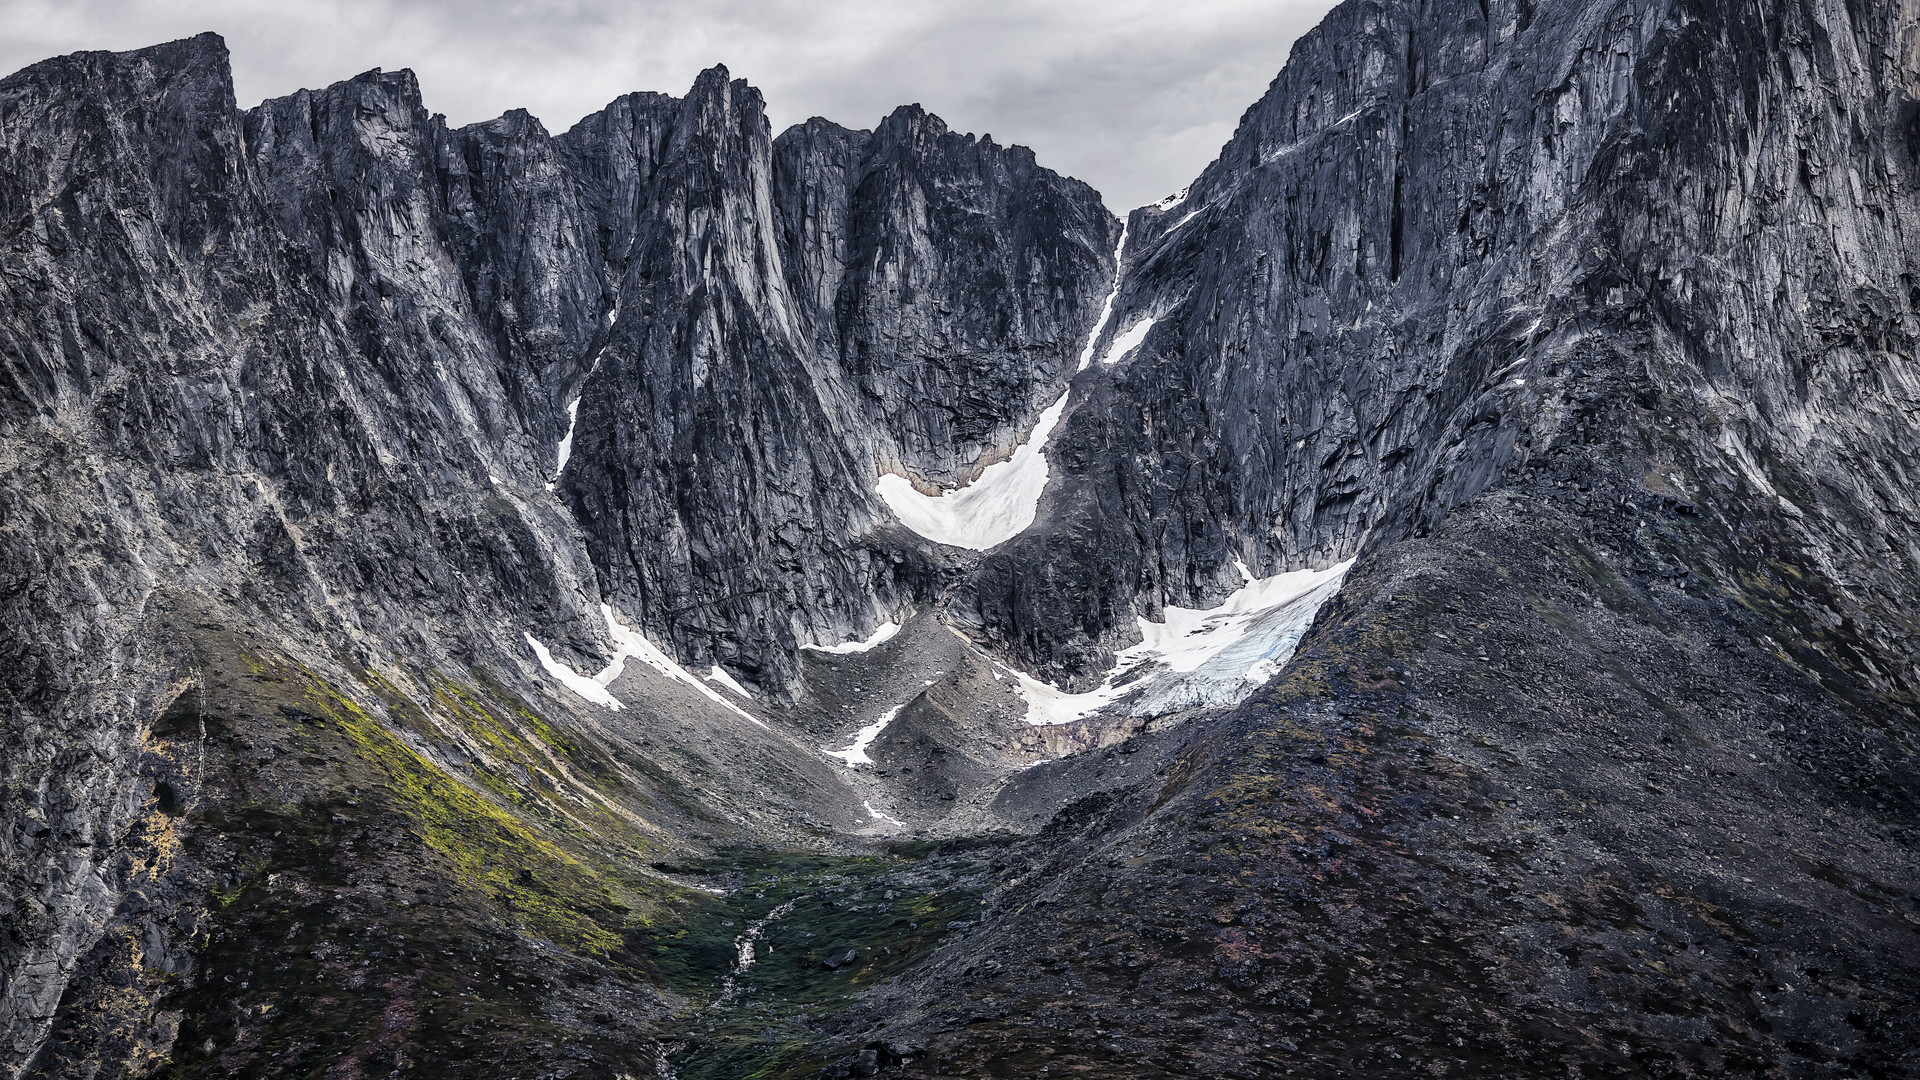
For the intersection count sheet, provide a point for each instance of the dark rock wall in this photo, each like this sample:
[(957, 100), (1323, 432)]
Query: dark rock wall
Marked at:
[(250, 379), (1369, 306), (1589, 328), (306, 366), (996, 248), (796, 316)]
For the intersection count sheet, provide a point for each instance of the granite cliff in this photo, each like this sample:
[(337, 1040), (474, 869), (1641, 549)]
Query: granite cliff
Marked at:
[(673, 599)]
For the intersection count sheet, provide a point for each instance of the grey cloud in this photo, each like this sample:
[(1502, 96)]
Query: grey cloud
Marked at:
[(1133, 96)]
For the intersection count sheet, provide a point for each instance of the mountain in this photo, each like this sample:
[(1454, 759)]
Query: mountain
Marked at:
[(670, 599)]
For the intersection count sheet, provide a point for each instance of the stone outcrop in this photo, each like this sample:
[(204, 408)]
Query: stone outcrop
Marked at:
[(1588, 330), (305, 367), (1407, 273)]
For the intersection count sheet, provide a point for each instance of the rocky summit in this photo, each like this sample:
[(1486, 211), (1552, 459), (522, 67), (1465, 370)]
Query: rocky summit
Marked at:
[(1439, 596)]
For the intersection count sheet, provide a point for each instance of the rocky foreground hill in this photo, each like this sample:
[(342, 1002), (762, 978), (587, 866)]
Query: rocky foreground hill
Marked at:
[(1436, 597)]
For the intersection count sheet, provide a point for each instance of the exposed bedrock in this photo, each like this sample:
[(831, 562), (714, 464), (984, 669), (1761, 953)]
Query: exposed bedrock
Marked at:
[(794, 317), (1441, 229), (303, 370), (1586, 330)]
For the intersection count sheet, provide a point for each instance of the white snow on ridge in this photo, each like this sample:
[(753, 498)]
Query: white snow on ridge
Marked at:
[(995, 508), (633, 643), (1191, 214), (571, 679), (1127, 342), (626, 642), (1199, 657), (1106, 309), (566, 442), (880, 636), (857, 753), (719, 675)]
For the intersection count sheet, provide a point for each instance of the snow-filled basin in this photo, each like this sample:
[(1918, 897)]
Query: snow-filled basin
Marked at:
[(880, 637), (995, 508), (1199, 656), (1005, 498)]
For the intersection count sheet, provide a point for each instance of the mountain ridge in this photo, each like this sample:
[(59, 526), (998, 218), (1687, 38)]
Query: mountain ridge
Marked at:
[(1572, 344)]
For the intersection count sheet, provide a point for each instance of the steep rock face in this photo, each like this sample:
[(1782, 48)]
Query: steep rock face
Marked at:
[(283, 395), (1370, 306), (201, 405), (532, 255), (1589, 327), (796, 316), (702, 507), (992, 243)]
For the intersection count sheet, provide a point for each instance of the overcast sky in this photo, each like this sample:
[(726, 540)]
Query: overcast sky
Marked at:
[(1124, 94)]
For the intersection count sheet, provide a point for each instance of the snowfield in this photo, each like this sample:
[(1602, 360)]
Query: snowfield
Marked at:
[(1199, 657), (880, 636), (988, 512), (627, 643), (1001, 503)]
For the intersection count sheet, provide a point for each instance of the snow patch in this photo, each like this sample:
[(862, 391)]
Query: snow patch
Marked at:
[(633, 643), (566, 442), (857, 753), (1199, 657), (1127, 342), (1002, 502), (719, 675), (571, 679), (1106, 309), (880, 816), (626, 643), (995, 508), (1172, 200), (880, 636), (1191, 214), (1048, 705)]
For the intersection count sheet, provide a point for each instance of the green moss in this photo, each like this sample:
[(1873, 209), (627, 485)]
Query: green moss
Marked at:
[(356, 879), (487, 849), (563, 780)]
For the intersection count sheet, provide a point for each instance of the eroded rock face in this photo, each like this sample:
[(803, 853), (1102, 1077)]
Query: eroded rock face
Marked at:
[(1589, 326), (795, 317), (1586, 329), (1402, 278), (304, 369)]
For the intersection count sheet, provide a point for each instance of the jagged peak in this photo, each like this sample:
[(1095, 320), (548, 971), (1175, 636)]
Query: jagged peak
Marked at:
[(713, 83), (403, 83), (913, 122), (513, 122), (205, 54), (819, 130)]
